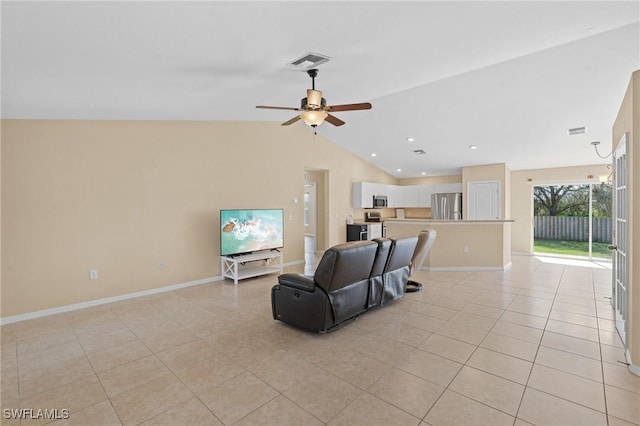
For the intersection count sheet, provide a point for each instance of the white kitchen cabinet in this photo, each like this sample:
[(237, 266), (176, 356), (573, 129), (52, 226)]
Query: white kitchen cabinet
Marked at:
[(424, 195), (395, 196), (399, 196), (362, 193), (446, 187), (410, 195)]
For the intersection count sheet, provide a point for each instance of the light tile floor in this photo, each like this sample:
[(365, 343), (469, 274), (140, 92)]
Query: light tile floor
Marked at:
[(534, 345)]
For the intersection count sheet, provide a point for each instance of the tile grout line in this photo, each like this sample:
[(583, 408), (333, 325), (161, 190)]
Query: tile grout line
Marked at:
[(604, 385), (447, 388), (533, 363)]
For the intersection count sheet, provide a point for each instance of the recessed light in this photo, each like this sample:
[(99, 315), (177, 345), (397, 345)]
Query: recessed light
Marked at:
[(410, 139), (423, 173), (398, 170), (473, 146), (373, 154)]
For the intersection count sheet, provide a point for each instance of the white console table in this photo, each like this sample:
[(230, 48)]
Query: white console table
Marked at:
[(251, 265)]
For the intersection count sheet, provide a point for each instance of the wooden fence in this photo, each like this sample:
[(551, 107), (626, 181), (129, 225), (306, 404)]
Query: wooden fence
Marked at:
[(571, 228)]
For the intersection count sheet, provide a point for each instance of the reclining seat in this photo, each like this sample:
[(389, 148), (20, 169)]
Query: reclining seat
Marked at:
[(376, 283), (337, 291), (396, 271), (426, 238)]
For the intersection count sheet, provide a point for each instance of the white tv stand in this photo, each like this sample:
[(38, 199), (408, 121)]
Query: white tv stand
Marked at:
[(251, 265)]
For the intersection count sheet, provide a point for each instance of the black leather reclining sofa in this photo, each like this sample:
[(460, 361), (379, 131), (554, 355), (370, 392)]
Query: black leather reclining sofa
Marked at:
[(350, 279)]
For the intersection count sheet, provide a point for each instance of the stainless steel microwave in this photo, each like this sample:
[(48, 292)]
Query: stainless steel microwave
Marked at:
[(380, 201)]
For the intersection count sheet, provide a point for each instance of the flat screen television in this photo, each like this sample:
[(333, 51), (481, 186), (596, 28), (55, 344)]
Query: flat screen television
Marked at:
[(245, 231)]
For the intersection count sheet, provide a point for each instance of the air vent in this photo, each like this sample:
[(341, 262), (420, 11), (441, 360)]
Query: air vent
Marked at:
[(577, 131), (419, 151), (309, 61)]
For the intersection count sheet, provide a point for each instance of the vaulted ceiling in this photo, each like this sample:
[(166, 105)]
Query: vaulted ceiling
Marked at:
[(507, 77)]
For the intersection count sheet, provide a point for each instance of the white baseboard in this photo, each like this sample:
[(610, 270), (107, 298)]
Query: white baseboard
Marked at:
[(90, 303), (635, 369), (468, 268)]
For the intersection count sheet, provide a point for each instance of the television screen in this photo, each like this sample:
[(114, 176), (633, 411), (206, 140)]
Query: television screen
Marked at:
[(249, 230)]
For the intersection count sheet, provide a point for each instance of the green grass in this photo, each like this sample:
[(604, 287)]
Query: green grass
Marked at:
[(571, 248)]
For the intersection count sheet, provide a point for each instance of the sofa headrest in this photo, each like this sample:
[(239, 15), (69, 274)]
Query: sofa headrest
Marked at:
[(402, 249), (426, 238), (345, 264), (384, 247)]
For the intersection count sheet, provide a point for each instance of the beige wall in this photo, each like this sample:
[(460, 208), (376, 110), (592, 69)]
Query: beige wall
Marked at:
[(489, 172), (628, 121), (485, 243), (121, 196), (521, 196)]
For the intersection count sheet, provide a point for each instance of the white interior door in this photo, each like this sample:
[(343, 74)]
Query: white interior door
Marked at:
[(483, 200), (620, 270), (310, 208)]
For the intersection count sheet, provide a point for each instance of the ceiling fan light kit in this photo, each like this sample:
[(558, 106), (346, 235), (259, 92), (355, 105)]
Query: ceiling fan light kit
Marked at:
[(313, 118), (315, 109)]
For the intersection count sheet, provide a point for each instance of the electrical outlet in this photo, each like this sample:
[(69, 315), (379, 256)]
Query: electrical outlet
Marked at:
[(161, 265), (93, 274), (465, 249)]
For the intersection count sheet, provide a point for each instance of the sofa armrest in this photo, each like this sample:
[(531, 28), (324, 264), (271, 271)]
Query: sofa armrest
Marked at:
[(298, 281)]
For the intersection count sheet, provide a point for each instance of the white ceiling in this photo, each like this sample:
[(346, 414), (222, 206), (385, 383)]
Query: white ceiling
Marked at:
[(509, 77)]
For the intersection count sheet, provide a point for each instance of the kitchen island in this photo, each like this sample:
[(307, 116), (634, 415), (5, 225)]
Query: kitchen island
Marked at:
[(461, 245)]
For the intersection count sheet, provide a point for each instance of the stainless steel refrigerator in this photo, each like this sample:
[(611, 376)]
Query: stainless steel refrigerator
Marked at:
[(446, 205)]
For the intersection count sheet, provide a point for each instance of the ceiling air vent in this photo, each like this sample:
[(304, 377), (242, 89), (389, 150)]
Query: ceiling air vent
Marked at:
[(577, 131), (419, 151), (309, 61)]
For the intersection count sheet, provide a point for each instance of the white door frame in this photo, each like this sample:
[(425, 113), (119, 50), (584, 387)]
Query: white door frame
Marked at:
[(620, 270)]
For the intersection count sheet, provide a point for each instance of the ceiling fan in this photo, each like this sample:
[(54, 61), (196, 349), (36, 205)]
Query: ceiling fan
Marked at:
[(315, 109)]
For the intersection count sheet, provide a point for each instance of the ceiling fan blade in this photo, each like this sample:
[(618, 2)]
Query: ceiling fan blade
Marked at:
[(293, 120), (334, 120), (348, 107), (276, 107)]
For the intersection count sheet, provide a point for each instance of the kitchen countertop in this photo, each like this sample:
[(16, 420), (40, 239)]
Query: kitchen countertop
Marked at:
[(447, 221)]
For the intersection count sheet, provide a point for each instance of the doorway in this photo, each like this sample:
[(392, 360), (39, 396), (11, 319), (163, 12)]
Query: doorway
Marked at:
[(620, 277), (310, 215), (573, 220), (315, 216)]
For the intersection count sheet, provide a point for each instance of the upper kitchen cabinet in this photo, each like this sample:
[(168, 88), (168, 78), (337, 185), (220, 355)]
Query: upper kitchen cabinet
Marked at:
[(424, 195), (420, 195), (410, 195), (399, 196), (396, 198), (446, 187), (362, 194)]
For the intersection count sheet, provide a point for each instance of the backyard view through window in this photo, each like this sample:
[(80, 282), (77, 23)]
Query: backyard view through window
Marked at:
[(573, 220)]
